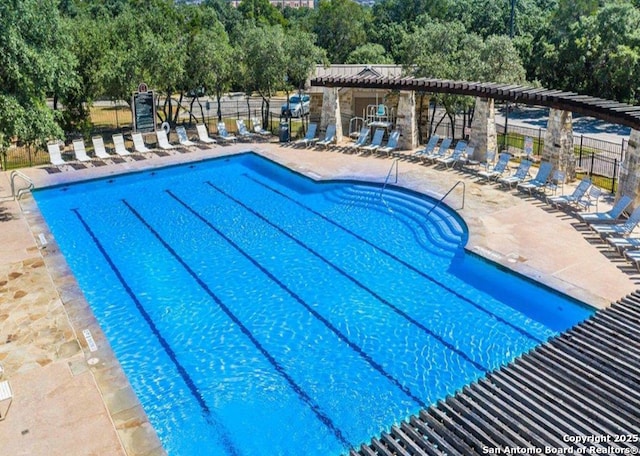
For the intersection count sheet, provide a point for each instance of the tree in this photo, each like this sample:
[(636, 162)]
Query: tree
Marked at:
[(261, 12), (340, 26), (34, 62), (369, 53)]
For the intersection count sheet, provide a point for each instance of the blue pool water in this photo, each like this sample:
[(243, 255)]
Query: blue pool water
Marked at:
[(256, 312)]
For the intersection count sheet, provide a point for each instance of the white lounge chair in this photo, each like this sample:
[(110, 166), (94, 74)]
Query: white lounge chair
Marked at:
[(310, 137), (119, 145), (55, 154), (203, 135), (257, 127), (243, 133), (138, 143), (80, 151), (376, 142), (224, 134), (183, 139), (610, 216), (392, 144), (163, 140), (329, 136), (98, 147)]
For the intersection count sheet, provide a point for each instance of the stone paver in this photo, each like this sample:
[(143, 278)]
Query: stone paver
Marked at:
[(69, 400)]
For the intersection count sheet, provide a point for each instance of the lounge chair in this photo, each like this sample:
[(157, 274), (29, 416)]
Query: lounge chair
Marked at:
[(183, 139), (362, 139), (428, 148), (257, 128), (98, 147), (329, 136), (590, 199), (577, 194), (203, 135), (392, 144), (497, 170), (224, 135), (623, 243), (556, 182), (456, 155), (476, 166), (80, 151), (119, 146), (55, 154), (243, 133), (163, 140), (539, 181), (309, 138), (617, 229), (611, 216), (440, 152), (520, 175), (634, 257), (138, 143), (376, 142)]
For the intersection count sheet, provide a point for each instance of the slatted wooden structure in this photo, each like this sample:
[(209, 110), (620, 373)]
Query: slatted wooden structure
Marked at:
[(582, 385), (607, 110)]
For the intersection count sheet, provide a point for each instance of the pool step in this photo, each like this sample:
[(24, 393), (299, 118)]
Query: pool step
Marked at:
[(583, 382)]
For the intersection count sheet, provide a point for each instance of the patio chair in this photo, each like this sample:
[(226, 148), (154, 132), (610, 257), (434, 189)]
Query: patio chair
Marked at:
[(329, 136), (376, 142), (257, 128), (392, 144), (98, 147), (520, 175), (568, 200), (243, 133), (362, 139), (183, 139), (610, 216), (55, 154), (138, 143), (428, 147), (163, 140), (440, 152), (622, 243), (456, 155), (119, 146), (203, 135), (617, 229), (590, 199), (539, 181), (556, 182), (80, 151), (497, 170), (309, 138), (224, 135)]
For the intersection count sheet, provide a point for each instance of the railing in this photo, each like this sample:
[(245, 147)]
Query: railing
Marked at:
[(464, 191), (23, 190), (386, 181)]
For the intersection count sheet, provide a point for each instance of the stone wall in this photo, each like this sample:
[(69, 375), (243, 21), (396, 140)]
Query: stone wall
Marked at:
[(406, 120), (558, 143), (331, 111), (629, 183), (483, 135)]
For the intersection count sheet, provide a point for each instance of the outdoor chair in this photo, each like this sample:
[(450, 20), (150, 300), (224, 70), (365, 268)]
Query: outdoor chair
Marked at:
[(440, 152), (138, 143), (309, 138), (428, 148), (55, 154), (224, 135), (80, 151), (573, 198), (376, 142), (119, 146), (539, 181), (497, 170), (392, 144), (183, 138), (257, 128), (610, 216), (243, 133), (617, 229), (362, 139), (203, 135), (520, 175), (329, 136), (455, 156), (163, 140), (98, 147)]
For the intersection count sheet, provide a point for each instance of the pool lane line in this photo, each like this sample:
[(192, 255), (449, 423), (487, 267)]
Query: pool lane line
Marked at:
[(214, 422), (352, 279), (424, 275), (274, 363), (354, 346)]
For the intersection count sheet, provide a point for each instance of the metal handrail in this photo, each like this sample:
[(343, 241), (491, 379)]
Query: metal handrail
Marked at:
[(386, 181), (23, 190), (464, 191)]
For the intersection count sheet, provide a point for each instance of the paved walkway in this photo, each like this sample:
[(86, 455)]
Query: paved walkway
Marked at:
[(71, 397)]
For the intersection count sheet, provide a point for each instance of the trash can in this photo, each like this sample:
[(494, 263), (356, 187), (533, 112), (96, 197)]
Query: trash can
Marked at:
[(283, 131)]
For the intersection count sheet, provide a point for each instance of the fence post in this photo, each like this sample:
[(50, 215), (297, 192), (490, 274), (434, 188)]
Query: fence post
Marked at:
[(615, 172), (593, 158), (622, 150), (580, 153), (539, 140)]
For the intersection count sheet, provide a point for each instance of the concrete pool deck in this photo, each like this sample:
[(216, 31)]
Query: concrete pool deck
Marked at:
[(70, 396)]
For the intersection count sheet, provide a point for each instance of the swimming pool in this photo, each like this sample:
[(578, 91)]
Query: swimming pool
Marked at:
[(255, 311)]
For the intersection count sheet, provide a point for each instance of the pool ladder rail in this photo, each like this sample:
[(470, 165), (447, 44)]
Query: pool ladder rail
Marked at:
[(464, 191), (16, 195), (386, 181)]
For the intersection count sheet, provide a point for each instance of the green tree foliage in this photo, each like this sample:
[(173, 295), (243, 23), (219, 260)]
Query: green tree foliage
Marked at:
[(261, 12), (340, 26), (369, 53), (34, 62)]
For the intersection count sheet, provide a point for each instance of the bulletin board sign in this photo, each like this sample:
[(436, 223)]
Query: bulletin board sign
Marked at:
[(144, 111)]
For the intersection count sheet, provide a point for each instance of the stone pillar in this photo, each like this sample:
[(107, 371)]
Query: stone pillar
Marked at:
[(483, 135), (629, 183), (558, 143), (331, 111), (406, 121)]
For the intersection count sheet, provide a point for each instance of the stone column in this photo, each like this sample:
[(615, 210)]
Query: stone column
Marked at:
[(629, 183), (558, 143), (331, 111), (406, 121), (483, 135)]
